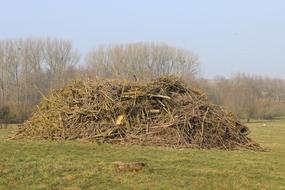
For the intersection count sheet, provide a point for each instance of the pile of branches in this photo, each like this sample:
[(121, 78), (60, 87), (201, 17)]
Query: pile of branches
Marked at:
[(163, 112)]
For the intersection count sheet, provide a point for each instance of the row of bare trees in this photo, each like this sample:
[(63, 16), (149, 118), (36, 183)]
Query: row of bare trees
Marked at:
[(142, 61), (30, 68), (251, 97)]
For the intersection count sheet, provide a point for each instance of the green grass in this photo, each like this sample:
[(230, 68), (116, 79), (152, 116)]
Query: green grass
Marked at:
[(70, 165)]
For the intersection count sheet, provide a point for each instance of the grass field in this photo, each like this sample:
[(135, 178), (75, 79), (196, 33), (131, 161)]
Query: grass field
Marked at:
[(70, 165)]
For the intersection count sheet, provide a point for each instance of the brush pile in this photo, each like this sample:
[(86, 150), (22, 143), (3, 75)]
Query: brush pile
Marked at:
[(163, 112)]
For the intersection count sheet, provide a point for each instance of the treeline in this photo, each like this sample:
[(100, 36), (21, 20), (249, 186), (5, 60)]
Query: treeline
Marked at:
[(250, 97), (142, 61), (31, 68)]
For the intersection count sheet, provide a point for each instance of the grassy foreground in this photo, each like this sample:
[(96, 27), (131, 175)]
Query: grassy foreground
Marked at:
[(72, 165)]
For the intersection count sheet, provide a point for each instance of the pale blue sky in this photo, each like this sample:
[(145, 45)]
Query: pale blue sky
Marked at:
[(228, 35)]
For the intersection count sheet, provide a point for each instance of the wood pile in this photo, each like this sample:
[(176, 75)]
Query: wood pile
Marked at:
[(163, 112)]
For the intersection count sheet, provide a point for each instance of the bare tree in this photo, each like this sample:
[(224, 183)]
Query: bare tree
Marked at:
[(143, 60), (59, 57), (2, 75)]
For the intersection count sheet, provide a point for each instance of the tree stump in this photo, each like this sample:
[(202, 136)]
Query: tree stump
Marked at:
[(129, 167)]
